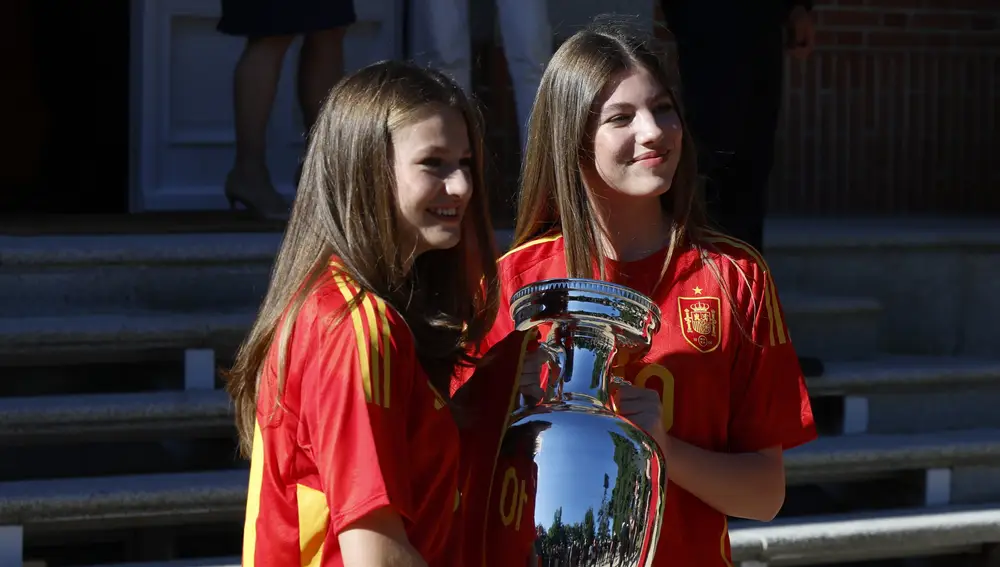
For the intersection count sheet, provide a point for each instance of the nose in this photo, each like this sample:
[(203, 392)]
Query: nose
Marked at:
[(459, 184), (650, 128)]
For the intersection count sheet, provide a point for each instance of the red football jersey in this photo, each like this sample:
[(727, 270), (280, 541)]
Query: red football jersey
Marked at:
[(724, 366), (358, 426)]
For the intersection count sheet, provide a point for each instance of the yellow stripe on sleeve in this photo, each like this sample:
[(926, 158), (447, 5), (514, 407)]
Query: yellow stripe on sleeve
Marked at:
[(380, 385), (531, 243), (386, 348), (359, 334), (776, 325)]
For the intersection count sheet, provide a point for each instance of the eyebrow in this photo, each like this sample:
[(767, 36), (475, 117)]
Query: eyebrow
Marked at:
[(619, 106), (436, 149)]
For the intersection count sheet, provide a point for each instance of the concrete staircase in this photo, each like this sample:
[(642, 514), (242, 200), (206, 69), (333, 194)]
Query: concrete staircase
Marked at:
[(116, 443)]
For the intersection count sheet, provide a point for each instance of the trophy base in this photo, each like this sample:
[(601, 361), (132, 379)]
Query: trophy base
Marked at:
[(589, 481)]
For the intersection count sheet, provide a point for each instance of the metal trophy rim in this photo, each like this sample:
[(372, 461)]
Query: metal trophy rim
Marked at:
[(616, 293)]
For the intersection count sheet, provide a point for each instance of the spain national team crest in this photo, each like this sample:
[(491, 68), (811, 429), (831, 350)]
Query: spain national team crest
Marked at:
[(700, 321)]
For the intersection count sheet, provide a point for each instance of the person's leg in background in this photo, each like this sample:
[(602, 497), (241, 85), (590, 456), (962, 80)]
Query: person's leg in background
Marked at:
[(527, 44), (270, 27), (321, 64), (439, 37), (741, 187), (720, 109), (255, 83)]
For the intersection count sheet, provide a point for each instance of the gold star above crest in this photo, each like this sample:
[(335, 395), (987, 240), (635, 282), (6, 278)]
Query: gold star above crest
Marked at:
[(697, 290)]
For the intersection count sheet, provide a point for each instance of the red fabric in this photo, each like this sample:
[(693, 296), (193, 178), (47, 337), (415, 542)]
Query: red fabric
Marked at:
[(492, 391), (360, 423), (510, 519)]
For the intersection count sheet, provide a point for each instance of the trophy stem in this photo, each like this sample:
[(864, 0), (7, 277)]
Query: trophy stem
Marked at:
[(584, 355)]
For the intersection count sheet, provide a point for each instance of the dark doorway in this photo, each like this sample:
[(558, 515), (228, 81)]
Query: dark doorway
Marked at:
[(66, 112)]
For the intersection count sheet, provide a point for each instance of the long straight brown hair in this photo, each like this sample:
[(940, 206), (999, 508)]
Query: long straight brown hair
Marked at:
[(346, 207), (553, 195)]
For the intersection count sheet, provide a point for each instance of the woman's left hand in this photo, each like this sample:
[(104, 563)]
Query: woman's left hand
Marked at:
[(643, 408)]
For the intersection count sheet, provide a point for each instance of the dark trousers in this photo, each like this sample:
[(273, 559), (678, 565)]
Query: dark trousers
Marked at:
[(731, 82), (731, 57)]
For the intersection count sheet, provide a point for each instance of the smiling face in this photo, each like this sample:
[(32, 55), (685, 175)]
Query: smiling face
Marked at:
[(432, 166), (636, 139)]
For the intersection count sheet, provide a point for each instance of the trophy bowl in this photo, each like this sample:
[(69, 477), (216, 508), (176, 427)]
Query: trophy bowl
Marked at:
[(576, 484)]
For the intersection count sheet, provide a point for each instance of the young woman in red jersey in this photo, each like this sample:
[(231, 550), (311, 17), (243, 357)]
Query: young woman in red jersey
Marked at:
[(341, 387), (609, 191)]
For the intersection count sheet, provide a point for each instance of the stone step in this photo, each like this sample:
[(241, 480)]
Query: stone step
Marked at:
[(884, 394), (156, 498), (63, 510), (870, 390), (60, 276), (889, 534), (821, 326), (819, 540), (935, 278), (86, 504), (117, 336), (208, 413), (942, 458), (105, 417), (56, 275), (831, 327), (904, 374)]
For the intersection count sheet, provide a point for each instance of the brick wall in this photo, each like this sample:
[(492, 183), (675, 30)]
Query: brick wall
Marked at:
[(908, 23), (894, 113)]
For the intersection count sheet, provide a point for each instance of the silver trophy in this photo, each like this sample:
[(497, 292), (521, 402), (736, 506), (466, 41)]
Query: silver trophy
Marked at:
[(592, 483)]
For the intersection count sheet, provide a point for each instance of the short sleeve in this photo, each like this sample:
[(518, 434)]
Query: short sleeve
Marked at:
[(769, 400), (354, 408)]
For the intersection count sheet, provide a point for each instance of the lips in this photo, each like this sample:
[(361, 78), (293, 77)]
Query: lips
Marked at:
[(650, 156), (651, 160)]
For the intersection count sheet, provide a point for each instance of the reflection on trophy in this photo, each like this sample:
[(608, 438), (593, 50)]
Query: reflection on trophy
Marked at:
[(577, 485)]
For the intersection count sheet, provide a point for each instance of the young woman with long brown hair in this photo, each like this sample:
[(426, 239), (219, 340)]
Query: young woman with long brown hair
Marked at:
[(609, 190), (342, 385)]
